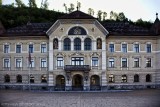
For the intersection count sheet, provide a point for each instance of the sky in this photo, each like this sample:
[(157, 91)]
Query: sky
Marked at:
[(133, 9)]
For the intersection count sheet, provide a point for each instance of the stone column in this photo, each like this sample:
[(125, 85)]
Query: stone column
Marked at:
[(72, 46), (59, 45), (94, 47), (82, 45), (50, 56)]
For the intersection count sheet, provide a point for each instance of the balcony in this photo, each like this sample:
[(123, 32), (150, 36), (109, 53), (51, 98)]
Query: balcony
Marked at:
[(77, 68)]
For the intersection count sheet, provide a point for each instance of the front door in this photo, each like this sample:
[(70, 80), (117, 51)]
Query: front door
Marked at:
[(77, 82)]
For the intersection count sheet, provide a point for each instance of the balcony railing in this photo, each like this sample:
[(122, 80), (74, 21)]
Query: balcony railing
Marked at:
[(77, 68)]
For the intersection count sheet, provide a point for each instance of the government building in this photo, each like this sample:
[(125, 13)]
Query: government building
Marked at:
[(78, 53)]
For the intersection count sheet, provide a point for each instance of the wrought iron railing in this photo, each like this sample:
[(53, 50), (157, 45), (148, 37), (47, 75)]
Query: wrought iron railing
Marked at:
[(77, 68)]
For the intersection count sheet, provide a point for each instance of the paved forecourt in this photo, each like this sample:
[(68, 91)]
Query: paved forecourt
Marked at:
[(136, 98)]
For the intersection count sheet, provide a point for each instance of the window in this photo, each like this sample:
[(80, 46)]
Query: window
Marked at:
[(124, 62), (19, 79), (6, 63), (77, 61), (124, 78), (124, 48), (44, 79), (136, 48), (67, 44), (94, 61), (43, 63), (111, 62), (59, 62), (31, 63), (31, 79), (6, 78), (18, 63), (18, 48), (148, 48), (77, 44), (30, 48), (43, 48), (6, 48), (148, 78), (111, 78), (136, 78), (111, 47), (87, 44), (148, 62), (136, 62)]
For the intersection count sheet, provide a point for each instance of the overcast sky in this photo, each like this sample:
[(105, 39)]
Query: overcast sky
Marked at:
[(133, 9)]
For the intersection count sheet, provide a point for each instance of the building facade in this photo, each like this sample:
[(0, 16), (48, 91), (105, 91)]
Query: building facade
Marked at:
[(78, 52)]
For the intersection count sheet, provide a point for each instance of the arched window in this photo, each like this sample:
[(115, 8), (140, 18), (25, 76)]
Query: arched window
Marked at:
[(148, 78), (77, 44), (95, 80), (136, 78), (44, 79), (55, 43), (124, 78), (7, 78), (87, 44), (99, 43), (31, 79), (19, 79), (67, 44), (60, 80)]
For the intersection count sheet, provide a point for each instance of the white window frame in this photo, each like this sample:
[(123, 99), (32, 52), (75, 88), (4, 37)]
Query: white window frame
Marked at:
[(97, 62), (121, 63), (134, 62), (16, 47), (9, 65), (57, 63), (146, 47), (136, 43), (16, 63), (32, 62), (110, 64), (109, 47), (33, 47), (8, 48), (41, 47), (126, 47), (45, 66)]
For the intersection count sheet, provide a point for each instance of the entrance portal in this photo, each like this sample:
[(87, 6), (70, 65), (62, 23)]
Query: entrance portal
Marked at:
[(77, 82)]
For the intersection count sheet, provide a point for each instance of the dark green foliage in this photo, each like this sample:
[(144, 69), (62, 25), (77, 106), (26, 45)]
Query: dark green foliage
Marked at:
[(16, 16)]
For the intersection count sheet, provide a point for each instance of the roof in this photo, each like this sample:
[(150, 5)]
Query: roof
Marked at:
[(30, 29), (124, 28), (77, 15)]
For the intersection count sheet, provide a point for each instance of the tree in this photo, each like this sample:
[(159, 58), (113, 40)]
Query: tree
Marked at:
[(19, 3), (91, 11), (121, 17), (32, 3), (45, 4), (111, 14), (104, 15), (65, 6), (99, 15), (0, 2), (71, 8)]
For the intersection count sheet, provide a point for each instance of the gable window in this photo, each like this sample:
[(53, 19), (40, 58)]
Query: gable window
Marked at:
[(18, 63), (124, 62), (111, 62), (124, 78), (94, 61), (30, 48), (148, 48), (124, 48), (111, 47), (43, 48), (6, 48), (87, 44), (18, 48), (67, 44), (136, 62), (148, 62), (136, 48), (60, 62), (6, 63), (77, 44)]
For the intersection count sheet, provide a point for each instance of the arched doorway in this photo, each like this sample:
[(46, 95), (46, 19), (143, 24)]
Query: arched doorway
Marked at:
[(60, 83), (77, 82), (95, 82)]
